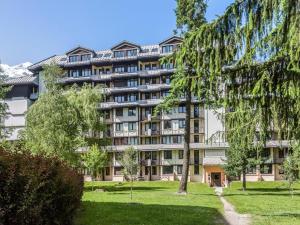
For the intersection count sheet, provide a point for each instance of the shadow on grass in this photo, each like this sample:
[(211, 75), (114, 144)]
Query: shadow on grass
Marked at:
[(287, 214), (108, 213), (120, 188), (279, 191)]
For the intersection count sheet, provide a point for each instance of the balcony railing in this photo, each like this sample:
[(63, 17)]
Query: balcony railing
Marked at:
[(150, 132)]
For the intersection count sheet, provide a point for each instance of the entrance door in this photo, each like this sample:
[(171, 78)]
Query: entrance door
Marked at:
[(216, 179)]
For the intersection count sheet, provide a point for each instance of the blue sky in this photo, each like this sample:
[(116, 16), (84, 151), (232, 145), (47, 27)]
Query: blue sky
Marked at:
[(31, 30)]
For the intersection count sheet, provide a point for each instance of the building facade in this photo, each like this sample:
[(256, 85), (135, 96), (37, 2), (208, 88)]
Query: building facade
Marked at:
[(23, 92), (135, 82)]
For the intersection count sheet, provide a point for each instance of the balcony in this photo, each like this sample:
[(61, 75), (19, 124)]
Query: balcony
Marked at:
[(150, 132), (149, 162), (125, 133), (172, 132), (153, 87)]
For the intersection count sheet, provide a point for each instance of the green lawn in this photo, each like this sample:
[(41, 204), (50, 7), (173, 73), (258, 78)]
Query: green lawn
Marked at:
[(269, 203), (154, 203)]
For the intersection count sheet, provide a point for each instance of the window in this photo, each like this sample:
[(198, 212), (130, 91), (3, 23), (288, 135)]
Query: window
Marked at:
[(196, 126), (74, 73), (196, 138), (131, 111), (132, 83), (120, 69), (119, 98), (266, 169), (166, 80), (119, 112), (196, 156), (281, 153), (132, 68), (132, 52), (179, 169), (168, 154), (78, 58), (85, 57), (167, 48), (147, 155), (147, 140), (165, 93), (167, 124), (154, 170), (148, 67), (265, 153), (119, 54), (132, 141), (147, 96), (132, 97), (119, 126), (251, 169), (154, 155), (181, 109), (196, 111), (166, 140), (196, 169), (181, 123), (86, 72), (180, 154), (132, 126), (167, 169), (167, 66), (107, 171), (177, 139), (154, 66), (118, 171), (74, 58)]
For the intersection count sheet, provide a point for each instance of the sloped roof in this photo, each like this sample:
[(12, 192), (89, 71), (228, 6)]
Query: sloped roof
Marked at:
[(170, 39), (124, 42), (80, 48), (22, 80)]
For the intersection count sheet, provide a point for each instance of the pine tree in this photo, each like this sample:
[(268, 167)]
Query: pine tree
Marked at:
[(189, 15)]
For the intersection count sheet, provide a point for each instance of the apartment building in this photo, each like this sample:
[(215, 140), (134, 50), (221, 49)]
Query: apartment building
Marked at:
[(135, 82), (23, 92)]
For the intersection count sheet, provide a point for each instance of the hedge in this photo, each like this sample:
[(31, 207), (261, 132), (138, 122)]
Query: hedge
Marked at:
[(35, 190)]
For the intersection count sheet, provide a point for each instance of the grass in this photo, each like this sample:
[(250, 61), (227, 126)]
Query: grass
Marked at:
[(153, 203), (269, 203)]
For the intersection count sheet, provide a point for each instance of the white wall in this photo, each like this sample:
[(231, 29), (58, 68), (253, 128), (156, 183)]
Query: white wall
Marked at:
[(15, 118), (212, 123)]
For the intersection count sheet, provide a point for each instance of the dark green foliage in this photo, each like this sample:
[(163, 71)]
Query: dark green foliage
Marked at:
[(35, 190)]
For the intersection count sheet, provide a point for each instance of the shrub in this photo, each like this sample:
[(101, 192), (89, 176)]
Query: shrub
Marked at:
[(35, 190)]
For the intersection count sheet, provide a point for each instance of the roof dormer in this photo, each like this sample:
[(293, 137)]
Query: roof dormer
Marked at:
[(79, 54), (125, 49), (170, 44)]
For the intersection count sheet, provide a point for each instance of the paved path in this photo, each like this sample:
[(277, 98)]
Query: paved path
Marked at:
[(231, 216)]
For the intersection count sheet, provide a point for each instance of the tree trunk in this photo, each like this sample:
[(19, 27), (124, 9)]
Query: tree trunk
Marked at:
[(103, 176), (244, 179), (186, 147), (131, 189)]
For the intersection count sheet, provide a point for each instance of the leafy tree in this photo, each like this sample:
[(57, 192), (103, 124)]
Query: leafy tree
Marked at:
[(130, 164), (95, 160), (61, 121), (242, 150), (291, 165), (189, 15), (3, 106)]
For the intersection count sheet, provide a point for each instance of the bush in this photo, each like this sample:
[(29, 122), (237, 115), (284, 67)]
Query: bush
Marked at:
[(35, 190)]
